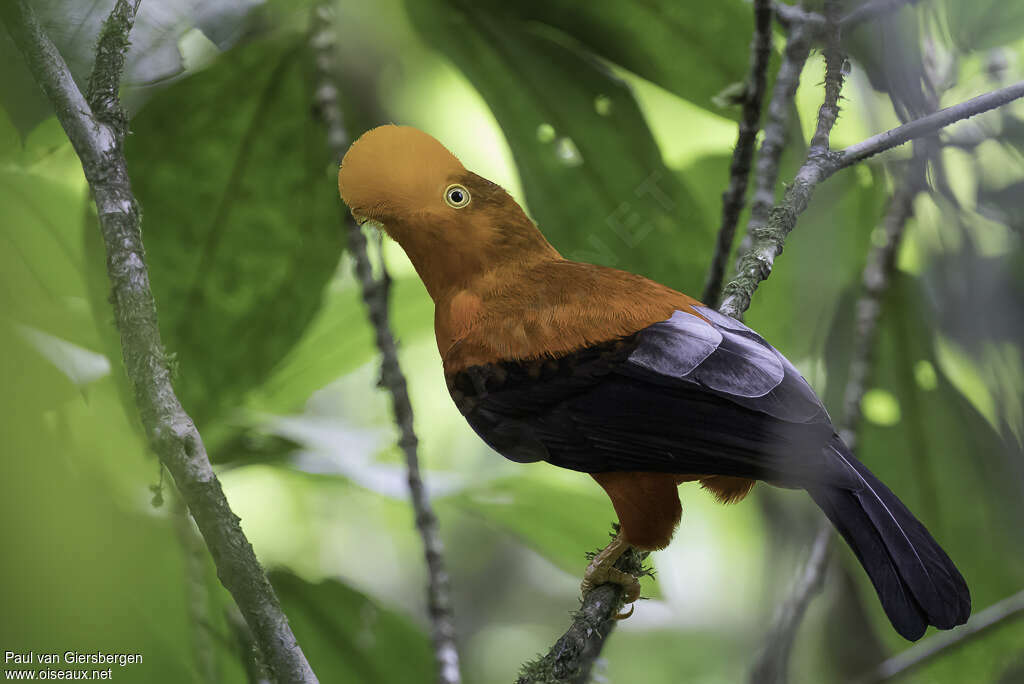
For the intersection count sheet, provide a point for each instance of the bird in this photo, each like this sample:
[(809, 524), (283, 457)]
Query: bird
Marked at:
[(609, 373)]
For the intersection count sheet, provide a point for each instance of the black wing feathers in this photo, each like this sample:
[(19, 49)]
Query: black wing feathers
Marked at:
[(916, 581), (706, 395)]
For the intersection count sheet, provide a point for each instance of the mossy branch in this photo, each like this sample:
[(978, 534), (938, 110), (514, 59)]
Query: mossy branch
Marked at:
[(734, 196), (96, 128), (571, 658)]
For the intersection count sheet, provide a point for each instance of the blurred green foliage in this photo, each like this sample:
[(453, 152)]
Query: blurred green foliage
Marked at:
[(601, 119)]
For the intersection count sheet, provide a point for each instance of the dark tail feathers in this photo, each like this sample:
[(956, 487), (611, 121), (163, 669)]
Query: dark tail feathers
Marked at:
[(915, 579)]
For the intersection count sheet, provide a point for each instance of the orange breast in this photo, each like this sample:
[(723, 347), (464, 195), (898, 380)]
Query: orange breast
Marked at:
[(550, 309)]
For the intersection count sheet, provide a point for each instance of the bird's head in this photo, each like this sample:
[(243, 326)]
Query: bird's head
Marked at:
[(455, 225)]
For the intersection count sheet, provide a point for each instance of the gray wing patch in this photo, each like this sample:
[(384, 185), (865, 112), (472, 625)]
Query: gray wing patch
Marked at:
[(731, 360), (794, 392), (741, 367), (676, 346), (722, 321)]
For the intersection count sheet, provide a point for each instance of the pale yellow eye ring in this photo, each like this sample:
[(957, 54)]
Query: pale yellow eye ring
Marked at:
[(456, 196)]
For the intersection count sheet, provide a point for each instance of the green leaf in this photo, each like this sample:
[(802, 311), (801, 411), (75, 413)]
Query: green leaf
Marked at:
[(241, 218), (890, 52), (941, 456), (74, 27), (153, 58), (348, 637), (41, 281), (47, 334), (593, 176), (338, 341), (556, 516), (695, 50), (984, 24), (69, 525)]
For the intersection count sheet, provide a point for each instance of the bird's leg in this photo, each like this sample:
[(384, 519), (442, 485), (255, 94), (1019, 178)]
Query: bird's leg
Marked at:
[(601, 571)]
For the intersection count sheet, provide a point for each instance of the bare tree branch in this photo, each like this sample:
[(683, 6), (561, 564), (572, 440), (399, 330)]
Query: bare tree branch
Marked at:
[(772, 664), (97, 138), (943, 643), (742, 154), (767, 241), (881, 264), (572, 656), (925, 126), (375, 296), (766, 173)]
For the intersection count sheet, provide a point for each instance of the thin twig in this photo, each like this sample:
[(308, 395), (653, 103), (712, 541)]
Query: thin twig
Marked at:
[(943, 643), (572, 656), (881, 264), (739, 170), (773, 661), (756, 264), (769, 156), (375, 297), (97, 138), (767, 241), (772, 664), (925, 126)]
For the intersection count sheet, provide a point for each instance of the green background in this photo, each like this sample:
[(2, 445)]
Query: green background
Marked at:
[(572, 107)]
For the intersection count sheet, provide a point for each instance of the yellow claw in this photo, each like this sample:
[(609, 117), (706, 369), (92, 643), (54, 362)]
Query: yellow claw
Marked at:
[(601, 571)]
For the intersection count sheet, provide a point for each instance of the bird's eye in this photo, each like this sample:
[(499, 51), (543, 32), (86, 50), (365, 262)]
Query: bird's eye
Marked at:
[(456, 196)]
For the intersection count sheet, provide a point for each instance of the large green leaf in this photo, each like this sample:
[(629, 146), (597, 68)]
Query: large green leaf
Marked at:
[(933, 448), (41, 281), (153, 59), (889, 50), (338, 341), (240, 217), (593, 177), (984, 24), (558, 518), (48, 340), (348, 637), (692, 49), (68, 528)]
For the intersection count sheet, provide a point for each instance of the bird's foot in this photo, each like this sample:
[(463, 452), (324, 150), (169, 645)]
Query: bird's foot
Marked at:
[(602, 571)]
